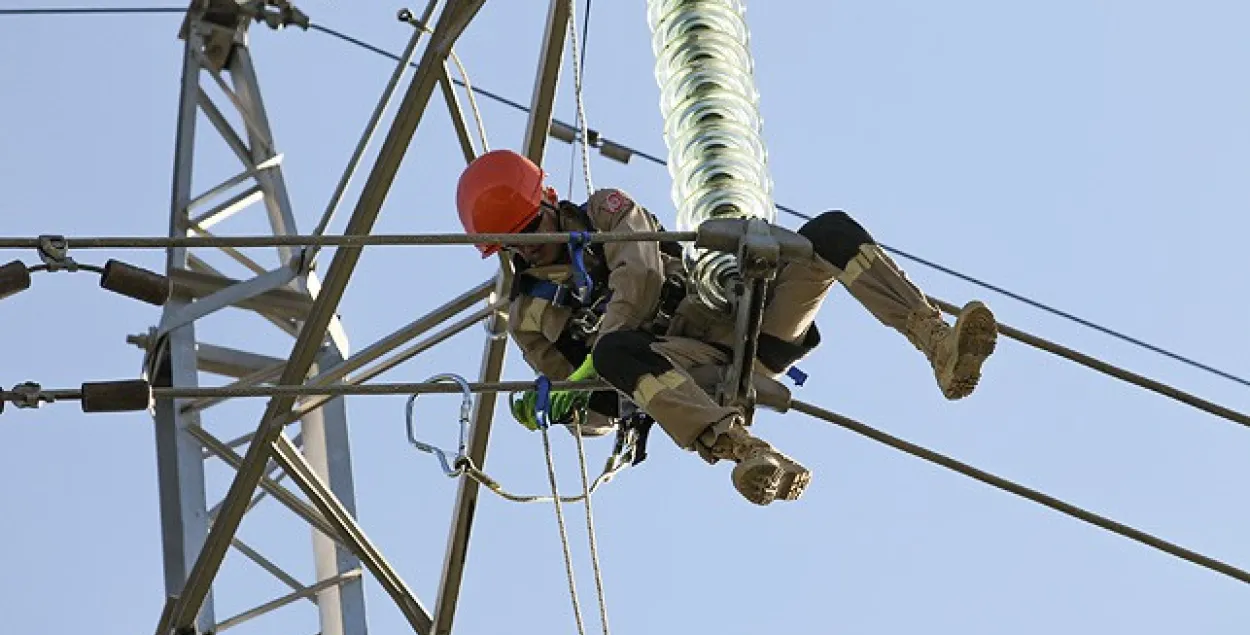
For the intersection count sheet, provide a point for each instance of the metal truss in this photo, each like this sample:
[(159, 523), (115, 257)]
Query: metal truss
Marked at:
[(293, 299), (216, 61)]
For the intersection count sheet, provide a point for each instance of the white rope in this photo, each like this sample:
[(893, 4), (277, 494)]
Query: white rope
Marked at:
[(564, 538), (477, 113), (590, 528), (468, 87), (577, 91)]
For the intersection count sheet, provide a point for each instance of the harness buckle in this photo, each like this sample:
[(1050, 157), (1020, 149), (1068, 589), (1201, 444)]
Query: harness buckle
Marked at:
[(560, 296)]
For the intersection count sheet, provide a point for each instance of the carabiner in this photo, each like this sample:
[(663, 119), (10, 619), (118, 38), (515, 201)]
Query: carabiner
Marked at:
[(451, 466)]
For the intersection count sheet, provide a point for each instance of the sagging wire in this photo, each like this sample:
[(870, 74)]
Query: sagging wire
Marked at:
[(119, 277), (515, 105), (468, 86), (577, 245), (582, 124), (346, 240), (138, 395), (543, 410), (590, 528), (459, 463), (581, 60), (1027, 493), (950, 463)]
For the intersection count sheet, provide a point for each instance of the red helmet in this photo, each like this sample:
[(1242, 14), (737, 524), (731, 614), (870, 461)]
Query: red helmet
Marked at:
[(499, 193)]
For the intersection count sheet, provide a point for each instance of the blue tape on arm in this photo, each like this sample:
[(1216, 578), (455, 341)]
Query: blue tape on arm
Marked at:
[(542, 405)]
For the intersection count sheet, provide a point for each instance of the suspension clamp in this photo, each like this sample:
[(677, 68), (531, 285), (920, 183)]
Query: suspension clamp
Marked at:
[(27, 395), (54, 252), (760, 248)]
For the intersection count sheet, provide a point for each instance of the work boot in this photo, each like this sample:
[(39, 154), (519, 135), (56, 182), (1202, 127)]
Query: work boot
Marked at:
[(762, 474), (958, 352)]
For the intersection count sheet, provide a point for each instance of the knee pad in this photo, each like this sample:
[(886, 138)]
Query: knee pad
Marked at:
[(778, 355), (605, 402), (836, 237), (623, 357)]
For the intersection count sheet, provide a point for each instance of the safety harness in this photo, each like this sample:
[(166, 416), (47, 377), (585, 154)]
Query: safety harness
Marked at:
[(586, 293), (587, 296)]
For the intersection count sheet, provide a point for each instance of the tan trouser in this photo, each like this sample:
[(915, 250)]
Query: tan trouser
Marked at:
[(668, 380), (677, 395), (801, 287)]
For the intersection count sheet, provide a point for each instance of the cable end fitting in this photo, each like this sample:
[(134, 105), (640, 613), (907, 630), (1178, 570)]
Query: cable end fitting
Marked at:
[(14, 278), (135, 282), (116, 396)]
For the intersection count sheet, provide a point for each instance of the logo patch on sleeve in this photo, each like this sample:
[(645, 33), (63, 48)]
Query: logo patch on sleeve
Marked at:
[(615, 202)]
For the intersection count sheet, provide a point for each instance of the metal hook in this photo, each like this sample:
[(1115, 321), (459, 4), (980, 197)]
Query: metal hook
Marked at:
[(454, 466)]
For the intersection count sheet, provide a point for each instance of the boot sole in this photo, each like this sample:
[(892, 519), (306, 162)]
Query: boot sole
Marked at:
[(793, 484), (976, 330), (758, 480), (794, 480)]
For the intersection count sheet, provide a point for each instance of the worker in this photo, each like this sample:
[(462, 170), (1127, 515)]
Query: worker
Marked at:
[(632, 324)]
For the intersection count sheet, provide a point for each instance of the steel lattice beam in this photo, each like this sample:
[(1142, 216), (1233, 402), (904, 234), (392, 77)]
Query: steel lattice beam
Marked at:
[(535, 142), (182, 613), (215, 36)]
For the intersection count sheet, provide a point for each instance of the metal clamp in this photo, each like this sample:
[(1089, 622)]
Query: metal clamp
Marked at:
[(285, 14), (759, 254), (496, 325), (584, 323), (406, 16), (452, 465), (54, 252), (28, 395)]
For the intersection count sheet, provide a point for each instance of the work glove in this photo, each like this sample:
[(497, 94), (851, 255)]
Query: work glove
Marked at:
[(564, 403), (523, 409)]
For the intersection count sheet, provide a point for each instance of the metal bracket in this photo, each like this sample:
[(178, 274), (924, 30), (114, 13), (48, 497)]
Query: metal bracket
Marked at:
[(759, 254), (760, 248), (286, 14), (496, 324), (54, 252), (454, 465), (27, 395)]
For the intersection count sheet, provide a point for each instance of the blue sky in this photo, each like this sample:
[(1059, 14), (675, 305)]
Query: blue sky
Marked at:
[(1090, 155)]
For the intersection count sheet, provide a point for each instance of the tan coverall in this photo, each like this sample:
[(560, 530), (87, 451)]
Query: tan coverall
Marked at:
[(669, 375)]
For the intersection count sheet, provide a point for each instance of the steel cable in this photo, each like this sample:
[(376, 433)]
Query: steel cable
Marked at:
[(1022, 491), (1188, 361)]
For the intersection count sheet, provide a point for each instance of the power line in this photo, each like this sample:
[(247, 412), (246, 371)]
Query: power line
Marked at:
[(1022, 491), (659, 161), (130, 395), (1108, 369), (899, 444), (348, 240), (582, 64), (387, 54), (894, 250), (88, 10)]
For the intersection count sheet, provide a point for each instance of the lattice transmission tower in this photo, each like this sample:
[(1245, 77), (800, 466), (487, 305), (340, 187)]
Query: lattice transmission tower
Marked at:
[(719, 169), (219, 87)]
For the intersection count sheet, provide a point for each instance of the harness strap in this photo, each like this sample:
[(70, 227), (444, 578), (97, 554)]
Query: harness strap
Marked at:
[(553, 292), (577, 245)]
